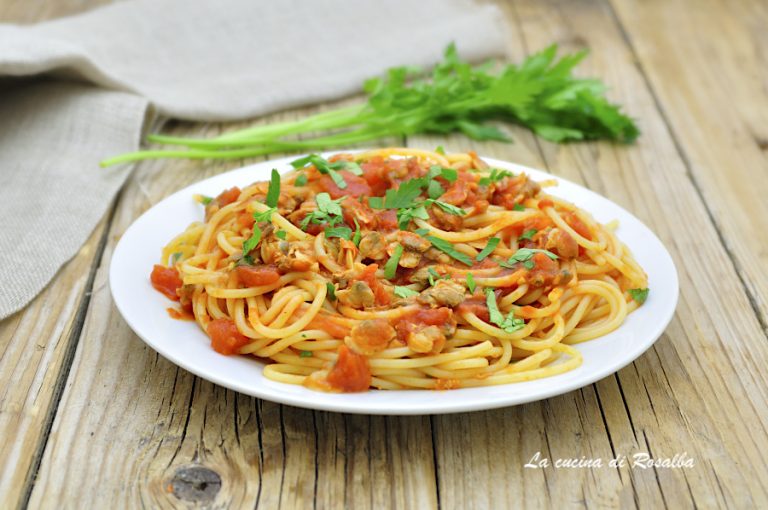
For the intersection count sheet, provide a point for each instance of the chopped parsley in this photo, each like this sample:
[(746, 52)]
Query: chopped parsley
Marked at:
[(639, 295), (404, 292), (509, 324), (273, 192), (263, 216), (440, 150), (245, 260), (331, 291), (495, 176), (447, 248), (449, 174), (471, 284), (328, 211), (343, 232), (323, 166), (390, 268), (305, 354), (449, 208), (356, 238), (402, 197), (349, 166), (525, 255), (433, 275), (518, 207), (405, 215), (529, 234), (435, 190), (252, 241), (493, 242), (281, 234), (175, 257), (301, 180), (204, 199)]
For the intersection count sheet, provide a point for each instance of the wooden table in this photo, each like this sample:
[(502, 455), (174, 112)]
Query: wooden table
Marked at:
[(92, 417)]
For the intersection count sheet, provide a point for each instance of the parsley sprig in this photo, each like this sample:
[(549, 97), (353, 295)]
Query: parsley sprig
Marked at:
[(541, 93), (639, 295)]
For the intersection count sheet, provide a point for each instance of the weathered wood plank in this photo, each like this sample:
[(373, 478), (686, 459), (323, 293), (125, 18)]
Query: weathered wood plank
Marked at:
[(707, 67), (36, 346)]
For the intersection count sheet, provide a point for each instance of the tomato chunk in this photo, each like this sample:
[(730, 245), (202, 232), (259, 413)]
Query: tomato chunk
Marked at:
[(477, 307), (369, 276), (225, 338), (375, 174), (544, 272), (255, 276), (388, 219), (228, 196), (351, 373), (166, 280), (423, 317)]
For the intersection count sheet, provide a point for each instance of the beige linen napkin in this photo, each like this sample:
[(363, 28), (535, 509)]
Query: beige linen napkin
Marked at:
[(191, 59)]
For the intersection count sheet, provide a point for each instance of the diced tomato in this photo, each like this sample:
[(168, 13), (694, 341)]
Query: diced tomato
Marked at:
[(245, 220), (375, 174), (351, 373), (369, 276), (353, 210), (228, 196), (166, 280), (422, 317), (475, 306), (544, 271), (225, 338), (255, 276), (356, 186), (456, 194), (388, 219), (334, 329), (576, 224), (480, 207)]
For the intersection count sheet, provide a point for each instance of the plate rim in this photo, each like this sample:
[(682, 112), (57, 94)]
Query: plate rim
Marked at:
[(440, 406)]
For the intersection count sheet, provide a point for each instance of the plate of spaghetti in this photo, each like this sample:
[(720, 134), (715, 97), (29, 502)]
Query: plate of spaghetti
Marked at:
[(394, 281)]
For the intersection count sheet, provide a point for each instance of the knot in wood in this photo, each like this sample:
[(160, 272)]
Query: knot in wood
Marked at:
[(196, 483)]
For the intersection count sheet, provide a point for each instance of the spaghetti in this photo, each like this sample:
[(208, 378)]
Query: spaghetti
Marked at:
[(400, 268)]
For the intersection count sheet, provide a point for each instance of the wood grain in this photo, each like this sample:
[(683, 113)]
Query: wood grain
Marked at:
[(132, 430), (713, 93)]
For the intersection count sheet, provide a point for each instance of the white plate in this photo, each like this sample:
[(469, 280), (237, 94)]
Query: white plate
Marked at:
[(185, 344)]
